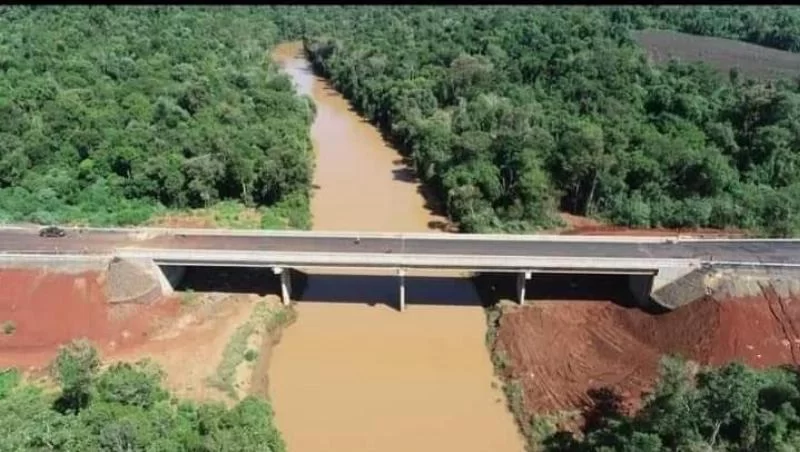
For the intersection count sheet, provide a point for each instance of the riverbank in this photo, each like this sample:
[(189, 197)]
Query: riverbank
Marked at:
[(355, 374)]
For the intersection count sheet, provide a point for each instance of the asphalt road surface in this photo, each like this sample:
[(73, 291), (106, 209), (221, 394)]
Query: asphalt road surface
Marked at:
[(96, 242)]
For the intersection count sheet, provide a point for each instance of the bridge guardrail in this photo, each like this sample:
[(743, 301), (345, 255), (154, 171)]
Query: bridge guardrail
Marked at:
[(308, 259)]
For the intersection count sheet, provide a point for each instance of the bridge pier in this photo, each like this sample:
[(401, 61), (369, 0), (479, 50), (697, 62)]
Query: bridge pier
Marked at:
[(286, 284), (402, 274), (522, 279)]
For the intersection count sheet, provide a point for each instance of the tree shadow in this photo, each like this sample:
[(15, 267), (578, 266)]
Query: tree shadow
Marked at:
[(605, 404), (71, 402), (439, 225), (404, 174)]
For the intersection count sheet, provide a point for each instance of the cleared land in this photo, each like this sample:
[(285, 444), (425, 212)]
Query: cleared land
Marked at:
[(559, 351), (198, 338), (724, 54)]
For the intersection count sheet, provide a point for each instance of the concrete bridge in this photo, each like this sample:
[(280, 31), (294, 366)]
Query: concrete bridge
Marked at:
[(654, 265)]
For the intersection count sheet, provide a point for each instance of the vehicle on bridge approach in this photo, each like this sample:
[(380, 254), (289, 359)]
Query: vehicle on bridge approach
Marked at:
[(52, 232)]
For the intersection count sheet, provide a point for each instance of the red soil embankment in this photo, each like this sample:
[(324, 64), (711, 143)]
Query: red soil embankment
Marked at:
[(50, 308), (579, 225), (559, 350)]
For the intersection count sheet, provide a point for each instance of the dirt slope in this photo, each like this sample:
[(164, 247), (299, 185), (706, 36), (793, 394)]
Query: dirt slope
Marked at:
[(50, 308), (559, 350)]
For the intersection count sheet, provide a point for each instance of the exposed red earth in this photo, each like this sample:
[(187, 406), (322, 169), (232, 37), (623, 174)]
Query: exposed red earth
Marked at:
[(557, 349), (48, 308), (578, 225), (560, 349)]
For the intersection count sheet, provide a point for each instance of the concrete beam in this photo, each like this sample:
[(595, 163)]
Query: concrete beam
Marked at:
[(598, 265), (402, 275)]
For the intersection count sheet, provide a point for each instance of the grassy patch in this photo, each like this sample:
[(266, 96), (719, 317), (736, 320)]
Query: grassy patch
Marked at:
[(9, 327), (291, 213), (9, 379), (188, 297), (263, 319)]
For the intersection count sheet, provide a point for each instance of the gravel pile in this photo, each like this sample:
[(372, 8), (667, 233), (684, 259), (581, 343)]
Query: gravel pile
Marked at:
[(127, 281)]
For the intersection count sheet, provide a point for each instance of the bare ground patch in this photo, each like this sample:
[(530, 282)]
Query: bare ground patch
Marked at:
[(556, 355), (723, 54)]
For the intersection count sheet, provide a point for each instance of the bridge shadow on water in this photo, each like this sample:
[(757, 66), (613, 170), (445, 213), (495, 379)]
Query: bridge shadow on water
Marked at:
[(481, 290), (379, 289)]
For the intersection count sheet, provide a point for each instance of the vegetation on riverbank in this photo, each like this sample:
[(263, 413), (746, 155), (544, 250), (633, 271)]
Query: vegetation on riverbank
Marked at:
[(123, 407), (510, 112), (732, 407), (264, 320), (111, 114)]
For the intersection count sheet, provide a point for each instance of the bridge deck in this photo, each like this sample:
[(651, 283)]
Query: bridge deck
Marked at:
[(423, 247)]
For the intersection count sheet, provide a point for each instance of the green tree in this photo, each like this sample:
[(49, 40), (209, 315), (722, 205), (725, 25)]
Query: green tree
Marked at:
[(74, 368)]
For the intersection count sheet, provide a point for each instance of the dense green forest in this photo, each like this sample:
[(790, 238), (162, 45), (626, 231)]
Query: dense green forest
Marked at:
[(123, 408), (108, 114), (731, 408), (510, 112)]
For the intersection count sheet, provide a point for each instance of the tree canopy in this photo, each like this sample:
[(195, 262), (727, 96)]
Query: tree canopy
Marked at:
[(512, 112), (508, 113), (730, 408), (123, 408), (110, 113)]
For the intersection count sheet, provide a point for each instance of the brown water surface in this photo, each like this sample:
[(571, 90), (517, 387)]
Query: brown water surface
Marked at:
[(354, 374)]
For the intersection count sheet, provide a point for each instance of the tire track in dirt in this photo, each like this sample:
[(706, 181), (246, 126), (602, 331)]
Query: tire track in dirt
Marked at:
[(784, 321)]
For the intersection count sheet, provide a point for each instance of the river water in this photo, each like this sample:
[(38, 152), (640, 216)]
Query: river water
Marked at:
[(354, 374)]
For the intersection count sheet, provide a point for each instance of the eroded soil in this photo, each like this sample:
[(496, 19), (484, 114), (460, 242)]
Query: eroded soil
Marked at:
[(559, 350)]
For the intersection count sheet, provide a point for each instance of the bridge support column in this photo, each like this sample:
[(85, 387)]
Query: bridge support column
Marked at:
[(402, 274), (286, 284), (522, 278)]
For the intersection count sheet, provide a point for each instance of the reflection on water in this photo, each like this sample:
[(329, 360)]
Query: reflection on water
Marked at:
[(353, 374)]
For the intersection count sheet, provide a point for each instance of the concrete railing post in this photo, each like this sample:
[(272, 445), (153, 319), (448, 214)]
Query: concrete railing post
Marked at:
[(402, 275)]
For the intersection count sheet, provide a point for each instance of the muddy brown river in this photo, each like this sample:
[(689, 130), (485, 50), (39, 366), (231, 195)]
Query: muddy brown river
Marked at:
[(354, 374)]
